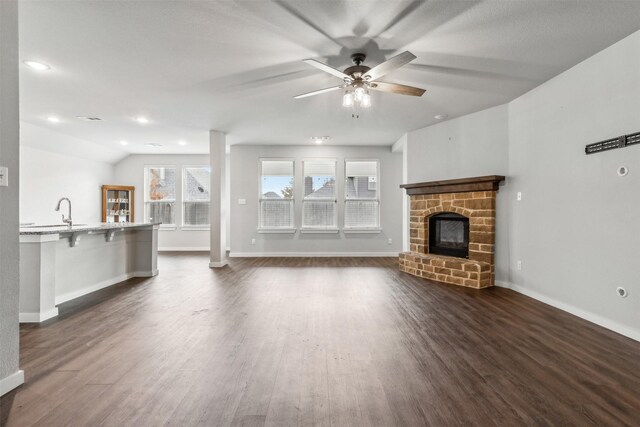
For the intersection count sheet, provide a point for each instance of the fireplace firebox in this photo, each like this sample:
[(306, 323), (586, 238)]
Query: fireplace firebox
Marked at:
[(449, 235)]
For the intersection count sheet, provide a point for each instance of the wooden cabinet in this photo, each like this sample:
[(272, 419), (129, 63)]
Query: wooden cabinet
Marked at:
[(117, 203)]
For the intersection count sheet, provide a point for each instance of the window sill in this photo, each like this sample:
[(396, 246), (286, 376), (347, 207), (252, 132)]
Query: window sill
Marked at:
[(195, 228), (362, 230), (168, 227), (319, 230), (276, 230)]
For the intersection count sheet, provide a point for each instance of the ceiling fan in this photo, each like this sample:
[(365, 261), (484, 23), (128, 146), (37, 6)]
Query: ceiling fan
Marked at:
[(359, 79)]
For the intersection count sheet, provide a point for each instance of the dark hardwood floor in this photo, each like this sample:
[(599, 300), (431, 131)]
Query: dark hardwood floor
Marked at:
[(323, 341)]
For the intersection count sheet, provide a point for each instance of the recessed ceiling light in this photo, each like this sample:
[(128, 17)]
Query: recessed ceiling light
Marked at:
[(182, 142), (37, 65), (142, 120), (153, 144), (319, 139), (441, 116), (123, 142), (53, 119)]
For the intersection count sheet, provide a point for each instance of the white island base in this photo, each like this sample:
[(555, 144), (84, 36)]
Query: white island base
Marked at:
[(58, 265)]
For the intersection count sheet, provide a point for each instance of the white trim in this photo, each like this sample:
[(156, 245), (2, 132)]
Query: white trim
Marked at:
[(37, 317), (310, 254), (276, 230), (105, 283), (586, 315), (319, 230), (194, 228), (168, 227), (218, 264), (185, 249), (12, 381), (362, 230)]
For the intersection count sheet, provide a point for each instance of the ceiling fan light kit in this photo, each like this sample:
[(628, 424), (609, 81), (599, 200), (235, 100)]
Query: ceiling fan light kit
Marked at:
[(359, 79)]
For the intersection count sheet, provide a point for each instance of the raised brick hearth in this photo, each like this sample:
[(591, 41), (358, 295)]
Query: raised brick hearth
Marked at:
[(463, 197)]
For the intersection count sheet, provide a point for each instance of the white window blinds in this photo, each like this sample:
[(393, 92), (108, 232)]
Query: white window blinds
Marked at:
[(362, 205), (196, 199), (160, 194), (319, 204), (276, 194)]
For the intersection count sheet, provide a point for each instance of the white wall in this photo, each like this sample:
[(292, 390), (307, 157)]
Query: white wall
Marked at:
[(46, 177), (130, 171), (577, 228), (10, 375), (472, 145), (245, 185)]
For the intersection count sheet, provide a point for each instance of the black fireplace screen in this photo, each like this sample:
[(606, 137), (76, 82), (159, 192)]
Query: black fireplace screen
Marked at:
[(449, 235)]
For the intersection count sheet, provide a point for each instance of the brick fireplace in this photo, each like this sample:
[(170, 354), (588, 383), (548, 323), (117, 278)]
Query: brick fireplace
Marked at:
[(456, 255)]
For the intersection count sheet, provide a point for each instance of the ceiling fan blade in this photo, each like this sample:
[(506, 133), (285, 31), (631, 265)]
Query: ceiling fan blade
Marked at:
[(318, 92), (327, 69), (397, 88), (388, 66)]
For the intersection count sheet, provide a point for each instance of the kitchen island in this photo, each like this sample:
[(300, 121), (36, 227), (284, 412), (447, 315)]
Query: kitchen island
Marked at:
[(60, 263)]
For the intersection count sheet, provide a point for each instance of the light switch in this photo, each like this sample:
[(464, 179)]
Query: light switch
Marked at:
[(4, 176), (242, 201), (519, 196)]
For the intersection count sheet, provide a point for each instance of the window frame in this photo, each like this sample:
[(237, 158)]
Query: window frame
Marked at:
[(146, 200), (276, 230), (378, 227), (311, 229), (184, 201)]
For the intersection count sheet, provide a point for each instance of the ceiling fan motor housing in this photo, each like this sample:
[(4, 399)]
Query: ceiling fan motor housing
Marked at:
[(357, 71)]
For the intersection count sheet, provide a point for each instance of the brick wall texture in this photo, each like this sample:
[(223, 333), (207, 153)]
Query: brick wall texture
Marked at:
[(475, 272)]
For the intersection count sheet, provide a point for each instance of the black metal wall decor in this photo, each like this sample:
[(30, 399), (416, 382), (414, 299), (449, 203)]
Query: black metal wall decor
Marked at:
[(613, 143)]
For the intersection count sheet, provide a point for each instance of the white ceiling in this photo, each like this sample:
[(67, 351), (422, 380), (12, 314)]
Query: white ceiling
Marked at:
[(235, 66)]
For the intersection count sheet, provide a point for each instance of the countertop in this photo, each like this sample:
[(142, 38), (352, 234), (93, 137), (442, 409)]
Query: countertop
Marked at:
[(38, 230)]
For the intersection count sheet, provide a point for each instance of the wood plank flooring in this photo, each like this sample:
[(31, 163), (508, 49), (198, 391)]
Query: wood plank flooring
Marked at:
[(325, 341)]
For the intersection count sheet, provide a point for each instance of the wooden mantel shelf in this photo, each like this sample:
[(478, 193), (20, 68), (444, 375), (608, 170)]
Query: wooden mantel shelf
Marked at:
[(462, 185)]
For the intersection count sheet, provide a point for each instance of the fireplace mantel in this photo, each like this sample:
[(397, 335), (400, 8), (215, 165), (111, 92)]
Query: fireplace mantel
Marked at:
[(462, 185)]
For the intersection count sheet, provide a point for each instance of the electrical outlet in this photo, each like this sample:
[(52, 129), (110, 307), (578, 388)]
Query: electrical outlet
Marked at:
[(390, 242), (519, 195), (253, 241), (242, 201), (4, 176), (519, 265)]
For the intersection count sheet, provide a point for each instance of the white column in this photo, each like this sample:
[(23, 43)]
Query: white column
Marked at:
[(217, 160), (10, 374)]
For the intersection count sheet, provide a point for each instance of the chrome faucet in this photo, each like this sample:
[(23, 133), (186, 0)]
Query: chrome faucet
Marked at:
[(68, 220)]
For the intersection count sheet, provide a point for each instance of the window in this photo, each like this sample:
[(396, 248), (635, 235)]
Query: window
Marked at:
[(196, 199), (160, 194), (361, 205), (276, 195), (319, 205)]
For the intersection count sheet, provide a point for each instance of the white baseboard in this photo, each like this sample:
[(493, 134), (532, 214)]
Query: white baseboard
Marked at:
[(37, 317), (310, 254), (12, 381), (218, 264), (185, 249), (586, 315)]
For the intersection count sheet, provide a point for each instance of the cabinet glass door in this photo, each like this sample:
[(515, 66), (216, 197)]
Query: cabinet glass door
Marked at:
[(118, 204)]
